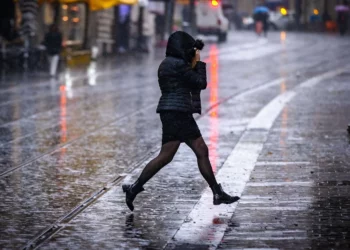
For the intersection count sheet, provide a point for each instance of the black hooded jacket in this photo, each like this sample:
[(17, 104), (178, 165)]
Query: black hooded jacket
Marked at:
[(179, 83)]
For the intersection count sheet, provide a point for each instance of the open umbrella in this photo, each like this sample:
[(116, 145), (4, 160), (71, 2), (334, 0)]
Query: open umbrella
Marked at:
[(261, 9), (342, 8)]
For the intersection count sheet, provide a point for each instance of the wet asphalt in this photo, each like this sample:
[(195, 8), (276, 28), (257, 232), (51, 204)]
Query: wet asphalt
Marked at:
[(67, 145)]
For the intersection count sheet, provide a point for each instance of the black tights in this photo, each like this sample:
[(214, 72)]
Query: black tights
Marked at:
[(166, 155)]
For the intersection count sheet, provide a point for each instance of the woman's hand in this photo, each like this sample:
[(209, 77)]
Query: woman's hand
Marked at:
[(196, 58)]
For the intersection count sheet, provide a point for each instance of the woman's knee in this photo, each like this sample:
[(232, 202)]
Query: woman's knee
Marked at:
[(165, 159), (202, 150)]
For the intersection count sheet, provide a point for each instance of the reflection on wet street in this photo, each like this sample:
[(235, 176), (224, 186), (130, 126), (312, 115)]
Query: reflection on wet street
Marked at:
[(275, 114), (213, 88)]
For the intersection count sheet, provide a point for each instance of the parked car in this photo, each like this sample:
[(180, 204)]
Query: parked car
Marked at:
[(211, 19)]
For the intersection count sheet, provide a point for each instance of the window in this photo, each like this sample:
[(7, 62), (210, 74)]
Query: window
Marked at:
[(73, 19)]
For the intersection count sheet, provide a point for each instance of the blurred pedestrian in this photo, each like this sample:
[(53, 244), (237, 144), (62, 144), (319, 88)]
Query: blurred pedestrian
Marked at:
[(53, 43), (160, 29), (123, 28), (261, 19), (265, 23), (143, 22), (343, 16), (181, 75), (343, 22), (258, 22)]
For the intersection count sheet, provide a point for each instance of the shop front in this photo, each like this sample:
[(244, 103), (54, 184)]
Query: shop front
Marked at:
[(75, 20)]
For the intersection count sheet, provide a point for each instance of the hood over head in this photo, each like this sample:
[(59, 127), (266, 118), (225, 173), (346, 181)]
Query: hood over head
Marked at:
[(181, 45)]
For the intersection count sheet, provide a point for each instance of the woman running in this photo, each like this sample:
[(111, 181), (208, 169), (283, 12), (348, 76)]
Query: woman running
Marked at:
[(181, 77)]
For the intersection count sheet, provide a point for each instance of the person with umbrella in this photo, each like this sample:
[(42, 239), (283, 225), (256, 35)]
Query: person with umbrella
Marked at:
[(261, 18), (342, 17)]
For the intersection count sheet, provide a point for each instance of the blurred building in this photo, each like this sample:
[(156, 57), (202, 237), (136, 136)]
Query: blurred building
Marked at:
[(105, 26), (83, 23), (108, 25)]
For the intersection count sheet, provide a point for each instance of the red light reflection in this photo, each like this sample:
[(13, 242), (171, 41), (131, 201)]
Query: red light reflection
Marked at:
[(63, 115), (214, 121)]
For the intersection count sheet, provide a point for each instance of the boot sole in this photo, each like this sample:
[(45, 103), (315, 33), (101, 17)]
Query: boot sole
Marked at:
[(216, 203)]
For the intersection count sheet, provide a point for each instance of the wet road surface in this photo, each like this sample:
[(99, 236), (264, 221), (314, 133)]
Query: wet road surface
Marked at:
[(275, 116)]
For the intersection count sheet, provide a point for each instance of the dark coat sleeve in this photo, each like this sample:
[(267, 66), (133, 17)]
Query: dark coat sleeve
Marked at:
[(196, 101), (196, 78)]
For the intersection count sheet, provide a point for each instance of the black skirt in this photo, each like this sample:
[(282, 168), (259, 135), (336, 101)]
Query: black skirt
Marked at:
[(178, 126)]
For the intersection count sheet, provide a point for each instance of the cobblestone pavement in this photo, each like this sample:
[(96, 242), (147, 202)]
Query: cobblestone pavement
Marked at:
[(275, 120)]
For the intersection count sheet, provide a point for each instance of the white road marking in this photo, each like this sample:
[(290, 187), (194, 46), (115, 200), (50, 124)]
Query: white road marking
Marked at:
[(201, 224), (270, 112)]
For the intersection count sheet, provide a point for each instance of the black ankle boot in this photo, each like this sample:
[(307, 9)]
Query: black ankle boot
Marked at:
[(221, 197), (131, 191)]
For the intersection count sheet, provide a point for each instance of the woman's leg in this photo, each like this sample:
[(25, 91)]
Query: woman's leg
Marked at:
[(165, 157), (202, 153), (201, 150)]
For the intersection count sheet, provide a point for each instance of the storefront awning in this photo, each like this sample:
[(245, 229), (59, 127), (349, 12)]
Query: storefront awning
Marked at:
[(105, 4), (63, 1), (96, 4)]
